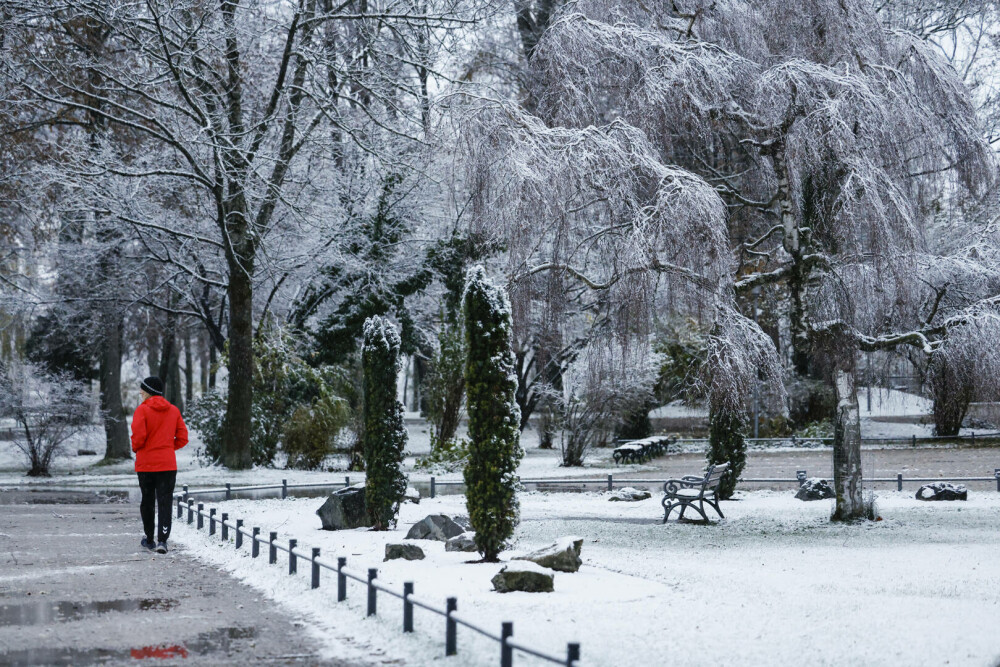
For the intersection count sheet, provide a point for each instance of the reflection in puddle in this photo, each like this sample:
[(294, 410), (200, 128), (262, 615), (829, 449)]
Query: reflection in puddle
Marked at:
[(159, 652), (220, 641), (41, 613)]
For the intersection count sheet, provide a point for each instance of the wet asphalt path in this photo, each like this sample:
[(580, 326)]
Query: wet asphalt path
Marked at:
[(76, 589)]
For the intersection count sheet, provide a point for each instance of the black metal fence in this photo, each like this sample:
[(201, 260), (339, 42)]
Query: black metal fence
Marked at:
[(449, 612)]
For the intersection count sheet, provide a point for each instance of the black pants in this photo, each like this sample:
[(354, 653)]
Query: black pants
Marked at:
[(157, 491)]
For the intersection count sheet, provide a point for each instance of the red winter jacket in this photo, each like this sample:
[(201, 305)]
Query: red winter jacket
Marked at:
[(157, 430)]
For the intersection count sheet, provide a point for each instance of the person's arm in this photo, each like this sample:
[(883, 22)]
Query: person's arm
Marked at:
[(181, 434), (138, 429)]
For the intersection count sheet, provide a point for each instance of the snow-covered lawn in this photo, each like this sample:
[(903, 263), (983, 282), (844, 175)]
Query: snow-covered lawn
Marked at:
[(774, 584)]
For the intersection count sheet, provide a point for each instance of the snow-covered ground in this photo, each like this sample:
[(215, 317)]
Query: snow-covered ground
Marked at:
[(774, 584)]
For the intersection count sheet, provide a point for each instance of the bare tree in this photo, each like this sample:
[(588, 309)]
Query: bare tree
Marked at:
[(48, 409)]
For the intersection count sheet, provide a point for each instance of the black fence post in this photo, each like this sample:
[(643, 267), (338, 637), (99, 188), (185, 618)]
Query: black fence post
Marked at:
[(190, 510), (225, 528), (996, 473), (293, 564), (201, 516), (229, 491), (180, 508), (899, 481), (211, 521), (255, 549), (611, 483), (433, 485), (451, 628), (347, 481), (284, 489), (185, 487), (914, 439), (372, 574), (239, 533), (973, 438), (315, 568), (801, 476), (407, 607), (272, 556), (341, 579), (506, 650), (572, 654)]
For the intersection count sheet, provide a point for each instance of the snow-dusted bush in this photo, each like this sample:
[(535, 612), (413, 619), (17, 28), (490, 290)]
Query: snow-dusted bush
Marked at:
[(494, 418), (49, 409), (384, 436), (312, 432)]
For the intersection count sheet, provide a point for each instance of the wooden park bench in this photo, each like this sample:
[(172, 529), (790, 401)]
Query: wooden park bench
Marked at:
[(694, 492), (639, 451)]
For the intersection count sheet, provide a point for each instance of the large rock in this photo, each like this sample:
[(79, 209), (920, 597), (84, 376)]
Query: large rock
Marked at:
[(563, 555), (435, 527), (629, 495), (463, 542), (464, 522), (815, 488), (942, 491), (526, 577), (404, 551), (344, 509)]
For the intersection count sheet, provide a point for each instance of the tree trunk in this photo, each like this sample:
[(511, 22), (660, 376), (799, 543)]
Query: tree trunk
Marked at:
[(212, 361), (203, 361), (952, 396), (847, 449), (188, 369), (236, 451), (153, 347), (119, 445)]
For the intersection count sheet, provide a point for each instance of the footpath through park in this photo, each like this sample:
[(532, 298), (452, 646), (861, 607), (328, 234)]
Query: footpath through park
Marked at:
[(76, 588)]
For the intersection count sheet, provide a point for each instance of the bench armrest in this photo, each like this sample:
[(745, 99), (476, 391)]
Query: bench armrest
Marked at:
[(672, 486)]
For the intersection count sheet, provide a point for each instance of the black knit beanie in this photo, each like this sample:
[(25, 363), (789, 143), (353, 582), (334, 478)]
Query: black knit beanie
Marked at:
[(152, 385)]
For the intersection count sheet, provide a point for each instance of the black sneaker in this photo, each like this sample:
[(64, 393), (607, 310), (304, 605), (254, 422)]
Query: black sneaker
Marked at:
[(147, 544), (161, 548)]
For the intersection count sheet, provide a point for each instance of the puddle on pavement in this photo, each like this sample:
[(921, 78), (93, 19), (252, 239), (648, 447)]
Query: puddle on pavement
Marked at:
[(45, 612), (220, 641), (62, 496)]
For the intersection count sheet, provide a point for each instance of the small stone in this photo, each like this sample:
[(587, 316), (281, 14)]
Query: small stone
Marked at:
[(563, 555), (411, 496), (435, 527), (463, 542), (629, 495), (404, 551), (815, 488), (345, 509), (942, 491), (525, 577)]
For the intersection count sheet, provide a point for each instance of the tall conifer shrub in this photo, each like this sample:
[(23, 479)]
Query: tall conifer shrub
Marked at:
[(384, 436), (494, 445)]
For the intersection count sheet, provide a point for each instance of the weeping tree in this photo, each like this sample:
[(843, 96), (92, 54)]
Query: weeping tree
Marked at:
[(834, 144), (494, 438), (384, 436)]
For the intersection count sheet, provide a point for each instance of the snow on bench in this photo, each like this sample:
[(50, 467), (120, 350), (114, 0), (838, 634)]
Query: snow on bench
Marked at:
[(638, 451)]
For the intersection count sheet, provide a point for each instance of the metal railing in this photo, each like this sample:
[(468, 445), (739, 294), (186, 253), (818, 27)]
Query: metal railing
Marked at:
[(608, 483), (369, 579)]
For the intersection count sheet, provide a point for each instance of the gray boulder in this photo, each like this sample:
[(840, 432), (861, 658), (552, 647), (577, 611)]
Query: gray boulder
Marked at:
[(815, 488), (464, 522), (463, 542), (411, 496), (942, 491), (629, 495), (404, 551), (435, 527), (345, 509), (563, 555), (525, 577)]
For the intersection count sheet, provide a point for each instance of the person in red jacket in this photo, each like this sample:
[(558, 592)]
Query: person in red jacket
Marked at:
[(158, 431)]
